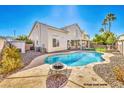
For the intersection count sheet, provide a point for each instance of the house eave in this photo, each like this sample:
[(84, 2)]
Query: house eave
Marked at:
[(58, 30)]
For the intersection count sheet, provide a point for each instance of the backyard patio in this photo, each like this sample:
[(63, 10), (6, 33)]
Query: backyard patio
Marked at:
[(92, 75)]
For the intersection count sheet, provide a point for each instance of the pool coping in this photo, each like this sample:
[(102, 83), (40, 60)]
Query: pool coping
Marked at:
[(105, 56)]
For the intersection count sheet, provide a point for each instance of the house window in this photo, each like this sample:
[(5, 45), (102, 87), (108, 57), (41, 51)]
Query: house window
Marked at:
[(55, 43), (72, 42)]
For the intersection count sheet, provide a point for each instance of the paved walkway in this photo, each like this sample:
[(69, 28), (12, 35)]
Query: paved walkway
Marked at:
[(37, 76), (87, 78)]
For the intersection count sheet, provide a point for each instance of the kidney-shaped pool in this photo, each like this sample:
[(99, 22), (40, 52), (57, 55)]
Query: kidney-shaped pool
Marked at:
[(75, 59)]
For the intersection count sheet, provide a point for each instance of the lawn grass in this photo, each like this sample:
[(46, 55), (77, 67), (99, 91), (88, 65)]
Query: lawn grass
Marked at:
[(100, 49)]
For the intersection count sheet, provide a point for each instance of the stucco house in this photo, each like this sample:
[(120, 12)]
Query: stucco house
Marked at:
[(120, 44), (57, 39)]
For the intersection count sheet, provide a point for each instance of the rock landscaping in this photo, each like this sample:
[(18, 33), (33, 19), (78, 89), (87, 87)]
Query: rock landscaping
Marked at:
[(29, 56), (105, 71), (56, 81)]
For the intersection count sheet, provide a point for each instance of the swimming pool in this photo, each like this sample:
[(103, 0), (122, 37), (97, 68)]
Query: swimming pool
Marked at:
[(75, 59)]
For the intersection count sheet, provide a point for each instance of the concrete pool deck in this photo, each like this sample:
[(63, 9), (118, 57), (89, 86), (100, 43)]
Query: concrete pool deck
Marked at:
[(35, 77)]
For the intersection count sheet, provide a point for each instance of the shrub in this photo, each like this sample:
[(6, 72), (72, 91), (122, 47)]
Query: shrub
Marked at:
[(28, 41), (24, 38), (11, 60), (105, 38), (100, 49), (119, 73)]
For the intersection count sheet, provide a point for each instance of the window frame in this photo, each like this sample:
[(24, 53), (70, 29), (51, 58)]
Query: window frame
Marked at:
[(55, 42)]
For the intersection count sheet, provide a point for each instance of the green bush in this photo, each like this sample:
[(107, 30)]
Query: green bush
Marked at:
[(90, 49), (24, 38), (100, 49), (28, 41), (11, 60)]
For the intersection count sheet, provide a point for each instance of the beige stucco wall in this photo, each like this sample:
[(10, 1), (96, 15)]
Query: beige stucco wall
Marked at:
[(74, 33), (121, 38), (61, 36), (85, 36), (121, 47), (39, 34), (121, 44), (19, 45), (1, 44)]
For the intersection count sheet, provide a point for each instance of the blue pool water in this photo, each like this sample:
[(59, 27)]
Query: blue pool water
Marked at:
[(76, 59)]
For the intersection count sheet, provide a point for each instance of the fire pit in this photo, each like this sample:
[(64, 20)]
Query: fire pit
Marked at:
[(58, 67)]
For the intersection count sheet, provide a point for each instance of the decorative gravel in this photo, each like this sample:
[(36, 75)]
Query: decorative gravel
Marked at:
[(29, 56), (56, 81), (105, 71)]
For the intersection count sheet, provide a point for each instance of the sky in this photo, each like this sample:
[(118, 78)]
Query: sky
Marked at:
[(22, 18)]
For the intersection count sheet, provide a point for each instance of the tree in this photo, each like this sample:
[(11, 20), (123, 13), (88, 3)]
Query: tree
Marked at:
[(24, 38), (98, 39), (105, 38), (111, 38), (101, 30), (110, 18), (104, 23)]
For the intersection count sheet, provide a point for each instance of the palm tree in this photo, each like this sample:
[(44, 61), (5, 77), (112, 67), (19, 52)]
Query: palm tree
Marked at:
[(110, 18), (104, 23), (101, 30)]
